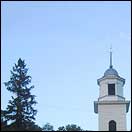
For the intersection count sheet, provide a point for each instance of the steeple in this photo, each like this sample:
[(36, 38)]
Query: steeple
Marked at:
[(111, 57), (111, 105)]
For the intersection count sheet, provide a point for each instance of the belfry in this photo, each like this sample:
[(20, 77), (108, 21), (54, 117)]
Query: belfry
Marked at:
[(111, 105)]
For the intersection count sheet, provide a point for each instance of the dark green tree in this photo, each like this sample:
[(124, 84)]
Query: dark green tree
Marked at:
[(3, 121), (62, 128), (47, 127), (20, 110), (73, 127), (69, 127)]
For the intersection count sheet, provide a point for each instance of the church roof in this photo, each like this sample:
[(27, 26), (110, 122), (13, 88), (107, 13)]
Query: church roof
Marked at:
[(111, 71)]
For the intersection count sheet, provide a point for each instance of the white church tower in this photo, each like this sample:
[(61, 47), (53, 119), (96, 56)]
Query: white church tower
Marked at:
[(111, 105)]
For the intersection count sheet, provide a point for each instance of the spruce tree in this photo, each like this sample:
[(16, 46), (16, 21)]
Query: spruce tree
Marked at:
[(20, 110)]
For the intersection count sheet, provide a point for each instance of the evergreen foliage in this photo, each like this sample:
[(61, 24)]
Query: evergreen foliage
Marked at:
[(20, 111)]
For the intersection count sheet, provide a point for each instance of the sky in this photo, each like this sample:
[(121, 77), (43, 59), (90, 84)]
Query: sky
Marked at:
[(66, 48)]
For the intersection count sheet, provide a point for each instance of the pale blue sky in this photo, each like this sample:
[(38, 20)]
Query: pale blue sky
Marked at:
[(66, 48)]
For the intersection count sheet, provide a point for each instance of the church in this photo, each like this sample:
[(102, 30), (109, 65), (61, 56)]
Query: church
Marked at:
[(111, 105)]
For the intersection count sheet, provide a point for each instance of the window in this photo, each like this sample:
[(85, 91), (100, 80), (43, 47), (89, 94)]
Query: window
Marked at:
[(111, 89), (112, 125)]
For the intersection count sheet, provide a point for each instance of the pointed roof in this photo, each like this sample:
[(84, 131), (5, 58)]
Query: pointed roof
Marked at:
[(111, 72)]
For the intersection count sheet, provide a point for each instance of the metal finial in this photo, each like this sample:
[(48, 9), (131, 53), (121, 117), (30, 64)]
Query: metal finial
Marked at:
[(111, 57)]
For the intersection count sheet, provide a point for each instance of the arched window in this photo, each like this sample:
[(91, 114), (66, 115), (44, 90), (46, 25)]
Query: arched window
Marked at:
[(112, 125)]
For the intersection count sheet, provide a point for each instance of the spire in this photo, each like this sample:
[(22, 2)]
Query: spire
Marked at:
[(111, 57)]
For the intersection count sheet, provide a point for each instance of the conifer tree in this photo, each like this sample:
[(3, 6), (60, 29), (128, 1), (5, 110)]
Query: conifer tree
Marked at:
[(20, 110)]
